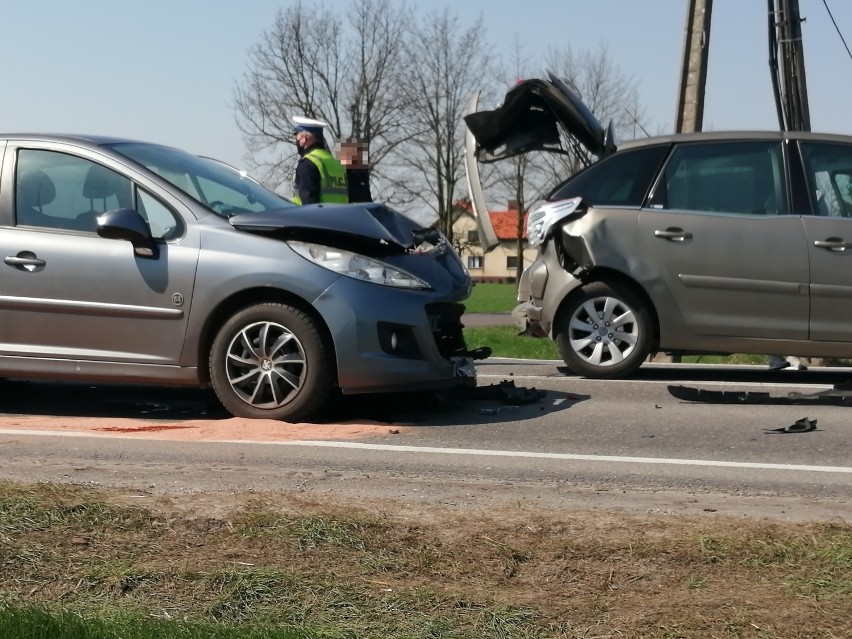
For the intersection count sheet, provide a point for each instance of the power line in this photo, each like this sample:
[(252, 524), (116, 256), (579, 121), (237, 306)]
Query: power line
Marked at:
[(836, 28)]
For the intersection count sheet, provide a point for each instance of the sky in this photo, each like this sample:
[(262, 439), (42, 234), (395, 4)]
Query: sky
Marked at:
[(165, 70)]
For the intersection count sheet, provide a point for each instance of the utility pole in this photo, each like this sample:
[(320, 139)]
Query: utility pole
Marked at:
[(690, 105), (787, 62), (693, 79)]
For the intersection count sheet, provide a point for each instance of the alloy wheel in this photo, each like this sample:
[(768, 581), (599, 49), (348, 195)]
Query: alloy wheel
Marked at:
[(266, 365), (603, 331)]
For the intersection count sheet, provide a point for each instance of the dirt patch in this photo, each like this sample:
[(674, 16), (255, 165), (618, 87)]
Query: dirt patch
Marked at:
[(229, 429)]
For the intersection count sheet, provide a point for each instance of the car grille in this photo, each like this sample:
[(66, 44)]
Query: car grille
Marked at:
[(445, 320)]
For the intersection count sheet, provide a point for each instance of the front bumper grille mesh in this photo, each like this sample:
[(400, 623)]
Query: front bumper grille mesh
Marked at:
[(446, 324)]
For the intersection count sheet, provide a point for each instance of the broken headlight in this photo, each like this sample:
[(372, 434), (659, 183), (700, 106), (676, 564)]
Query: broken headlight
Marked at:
[(357, 266), (541, 219)]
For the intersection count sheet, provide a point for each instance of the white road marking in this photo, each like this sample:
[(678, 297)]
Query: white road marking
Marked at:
[(472, 451), (657, 382), (570, 456)]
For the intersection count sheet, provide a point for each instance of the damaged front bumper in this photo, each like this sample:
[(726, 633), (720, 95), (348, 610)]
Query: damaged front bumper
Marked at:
[(464, 367), (543, 287), (526, 317)]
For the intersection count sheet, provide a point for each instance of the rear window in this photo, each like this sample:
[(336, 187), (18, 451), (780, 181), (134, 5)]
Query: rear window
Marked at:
[(829, 171), (622, 179)]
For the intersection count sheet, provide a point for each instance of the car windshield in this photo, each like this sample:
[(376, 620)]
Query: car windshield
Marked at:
[(621, 179), (223, 189)]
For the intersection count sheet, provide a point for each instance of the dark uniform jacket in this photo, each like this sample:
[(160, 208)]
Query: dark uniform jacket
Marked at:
[(359, 185)]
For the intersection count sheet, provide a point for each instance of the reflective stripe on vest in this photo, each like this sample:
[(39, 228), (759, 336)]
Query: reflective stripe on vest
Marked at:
[(333, 186)]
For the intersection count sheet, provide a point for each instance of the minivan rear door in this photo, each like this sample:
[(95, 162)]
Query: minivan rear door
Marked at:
[(828, 169)]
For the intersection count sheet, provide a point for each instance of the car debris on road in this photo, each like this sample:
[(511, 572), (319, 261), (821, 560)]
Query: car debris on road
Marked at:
[(803, 425), (839, 395)]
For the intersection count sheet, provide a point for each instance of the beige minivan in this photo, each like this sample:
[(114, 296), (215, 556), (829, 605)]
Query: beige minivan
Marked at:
[(715, 242)]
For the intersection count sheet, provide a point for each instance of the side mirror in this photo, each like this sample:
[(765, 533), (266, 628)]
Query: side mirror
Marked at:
[(129, 225)]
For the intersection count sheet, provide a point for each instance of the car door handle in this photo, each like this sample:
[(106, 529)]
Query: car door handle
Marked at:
[(23, 261), (833, 244), (673, 234)]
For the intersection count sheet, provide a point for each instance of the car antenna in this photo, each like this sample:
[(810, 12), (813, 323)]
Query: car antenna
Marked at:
[(637, 123)]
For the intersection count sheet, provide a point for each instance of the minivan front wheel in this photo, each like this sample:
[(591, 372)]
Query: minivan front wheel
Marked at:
[(269, 361), (604, 331)]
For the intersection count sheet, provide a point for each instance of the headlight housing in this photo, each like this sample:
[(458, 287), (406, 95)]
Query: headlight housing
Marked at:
[(542, 218), (357, 266)]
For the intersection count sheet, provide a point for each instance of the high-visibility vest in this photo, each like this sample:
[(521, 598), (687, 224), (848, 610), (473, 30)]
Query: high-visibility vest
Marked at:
[(333, 186)]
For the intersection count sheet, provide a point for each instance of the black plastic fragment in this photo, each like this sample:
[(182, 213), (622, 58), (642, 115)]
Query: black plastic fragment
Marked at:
[(505, 392), (803, 425)]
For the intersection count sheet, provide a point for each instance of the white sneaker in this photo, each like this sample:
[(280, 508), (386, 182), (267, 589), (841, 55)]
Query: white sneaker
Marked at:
[(796, 364), (778, 363)]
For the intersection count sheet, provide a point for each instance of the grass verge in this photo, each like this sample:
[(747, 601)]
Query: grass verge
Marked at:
[(505, 342), (492, 298), (85, 564)]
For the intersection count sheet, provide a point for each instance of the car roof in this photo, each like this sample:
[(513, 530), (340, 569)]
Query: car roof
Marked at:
[(98, 140), (723, 136)]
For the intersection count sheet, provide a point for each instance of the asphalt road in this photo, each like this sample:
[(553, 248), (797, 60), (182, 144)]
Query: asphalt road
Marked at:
[(584, 443)]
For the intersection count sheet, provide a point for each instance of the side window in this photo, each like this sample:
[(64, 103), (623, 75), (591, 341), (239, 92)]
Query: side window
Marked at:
[(164, 224), (57, 190), (744, 178), (622, 179), (829, 174)]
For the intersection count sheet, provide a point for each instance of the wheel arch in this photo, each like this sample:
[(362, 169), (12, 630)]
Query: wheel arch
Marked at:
[(248, 297), (612, 278)]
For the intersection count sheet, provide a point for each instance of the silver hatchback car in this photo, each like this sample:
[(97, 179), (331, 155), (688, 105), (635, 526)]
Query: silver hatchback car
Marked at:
[(138, 263), (723, 242)]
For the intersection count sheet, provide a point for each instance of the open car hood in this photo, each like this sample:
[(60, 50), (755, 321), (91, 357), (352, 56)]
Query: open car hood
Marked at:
[(529, 118), (370, 229)]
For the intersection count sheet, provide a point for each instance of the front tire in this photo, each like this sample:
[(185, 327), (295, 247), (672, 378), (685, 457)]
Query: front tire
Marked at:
[(269, 361), (604, 331)]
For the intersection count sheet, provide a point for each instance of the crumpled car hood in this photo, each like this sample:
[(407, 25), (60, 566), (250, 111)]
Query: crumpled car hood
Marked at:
[(374, 230), (371, 229)]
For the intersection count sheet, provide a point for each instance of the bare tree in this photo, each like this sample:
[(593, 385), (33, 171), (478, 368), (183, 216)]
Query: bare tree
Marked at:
[(285, 79), (521, 170), (446, 63), (311, 62), (377, 95), (510, 180), (605, 89)]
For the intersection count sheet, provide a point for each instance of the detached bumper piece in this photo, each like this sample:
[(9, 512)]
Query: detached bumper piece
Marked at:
[(505, 392), (840, 395)]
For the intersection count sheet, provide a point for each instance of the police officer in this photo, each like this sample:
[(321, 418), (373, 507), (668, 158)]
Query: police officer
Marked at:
[(319, 178)]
